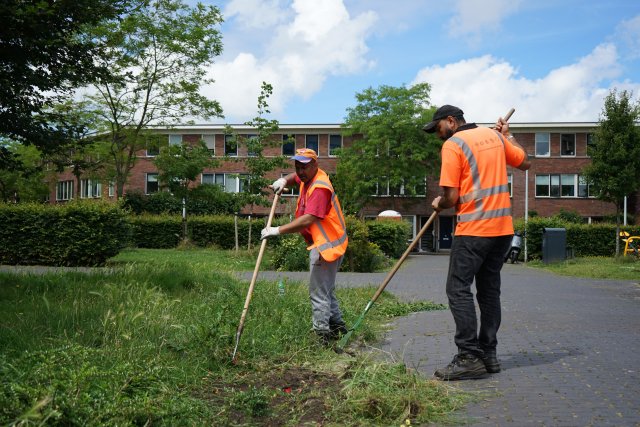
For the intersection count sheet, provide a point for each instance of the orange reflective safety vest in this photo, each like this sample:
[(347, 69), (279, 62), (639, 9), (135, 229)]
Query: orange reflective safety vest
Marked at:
[(330, 233), (475, 161)]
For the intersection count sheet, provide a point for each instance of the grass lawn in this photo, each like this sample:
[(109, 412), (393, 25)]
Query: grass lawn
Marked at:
[(149, 342), (622, 268)]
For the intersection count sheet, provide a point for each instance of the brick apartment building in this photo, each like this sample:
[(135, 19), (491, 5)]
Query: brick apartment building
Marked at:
[(558, 152)]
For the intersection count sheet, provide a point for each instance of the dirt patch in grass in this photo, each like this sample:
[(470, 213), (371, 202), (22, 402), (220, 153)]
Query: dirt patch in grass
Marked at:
[(290, 395)]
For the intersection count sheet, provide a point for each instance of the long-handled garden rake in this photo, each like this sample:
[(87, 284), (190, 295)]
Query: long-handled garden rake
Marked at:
[(345, 338), (263, 245)]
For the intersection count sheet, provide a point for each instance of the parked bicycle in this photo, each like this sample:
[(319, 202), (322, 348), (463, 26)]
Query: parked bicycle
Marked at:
[(631, 244)]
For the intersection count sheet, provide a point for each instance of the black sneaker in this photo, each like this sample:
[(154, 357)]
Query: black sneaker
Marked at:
[(491, 363), (337, 330), (462, 367)]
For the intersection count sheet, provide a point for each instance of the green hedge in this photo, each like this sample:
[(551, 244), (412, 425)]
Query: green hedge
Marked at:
[(390, 235), (79, 233), (165, 231), (583, 239)]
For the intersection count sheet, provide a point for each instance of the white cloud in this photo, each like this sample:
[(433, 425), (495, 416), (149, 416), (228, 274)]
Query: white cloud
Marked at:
[(258, 14), (474, 17), (629, 34), (320, 40), (486, 87)]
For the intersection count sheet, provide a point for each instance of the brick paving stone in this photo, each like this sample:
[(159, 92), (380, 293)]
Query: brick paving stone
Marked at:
[(568, 346)]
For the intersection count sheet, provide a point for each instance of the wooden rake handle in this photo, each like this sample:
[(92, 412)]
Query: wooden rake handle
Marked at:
[(247, 300)]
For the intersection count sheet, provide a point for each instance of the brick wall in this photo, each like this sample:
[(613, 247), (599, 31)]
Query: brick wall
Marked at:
[(421, 206)]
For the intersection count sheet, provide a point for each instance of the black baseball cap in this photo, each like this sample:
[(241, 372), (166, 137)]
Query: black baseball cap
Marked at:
[(442, 113)]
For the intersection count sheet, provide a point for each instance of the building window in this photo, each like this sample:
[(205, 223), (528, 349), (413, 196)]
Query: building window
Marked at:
[(64, 190), (213, 179), (153, 148), (555, 186), (311, 141), (112, 188), (568, 183), (210, 142), (235, 183), (292, 190), (542, 144), (382, 186), (230, 182), (90, 189), (510, 183), (151, 183), (335, 144), (288, 145), (175, 139), (591, 142), (419, 189), (230, 146), (252, 141), (562, 185), (568, 144)]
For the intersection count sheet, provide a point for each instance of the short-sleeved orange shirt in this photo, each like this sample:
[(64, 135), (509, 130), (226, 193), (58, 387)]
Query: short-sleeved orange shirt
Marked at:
[(484, 149)]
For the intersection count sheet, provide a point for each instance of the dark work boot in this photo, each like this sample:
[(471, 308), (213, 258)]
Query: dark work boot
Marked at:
[(462, 367), (491, 363), (337, 329), (324, 338)]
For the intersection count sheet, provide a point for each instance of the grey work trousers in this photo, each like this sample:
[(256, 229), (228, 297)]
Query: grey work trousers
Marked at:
[(322, 291)]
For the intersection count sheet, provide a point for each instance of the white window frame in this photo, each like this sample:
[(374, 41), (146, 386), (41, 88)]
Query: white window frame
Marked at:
[(306, 142), (90, 189), (175, 139), (548, 141), (231, 137), (215, 177), (331, 151), (147, 180), (249, 137), (293, 190), (210, 141), (64, 190), (590, 141), (510, 183), (289, 139), (560, 181), (112, 188), (573, 153)]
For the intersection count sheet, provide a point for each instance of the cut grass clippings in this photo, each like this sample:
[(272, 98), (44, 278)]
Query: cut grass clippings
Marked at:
[(149, 342)]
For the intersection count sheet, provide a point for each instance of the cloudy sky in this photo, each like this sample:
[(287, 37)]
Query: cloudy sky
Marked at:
[(552, 60)]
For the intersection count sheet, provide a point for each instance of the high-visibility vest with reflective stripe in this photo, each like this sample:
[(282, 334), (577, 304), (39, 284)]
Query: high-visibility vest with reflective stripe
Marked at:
[(330, 233), (484, 204)]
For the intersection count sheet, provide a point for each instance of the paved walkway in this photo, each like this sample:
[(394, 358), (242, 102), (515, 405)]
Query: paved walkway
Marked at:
[(569, 347)]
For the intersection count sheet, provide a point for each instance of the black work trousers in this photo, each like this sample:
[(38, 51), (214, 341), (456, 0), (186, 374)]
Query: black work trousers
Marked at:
[(479, 258)]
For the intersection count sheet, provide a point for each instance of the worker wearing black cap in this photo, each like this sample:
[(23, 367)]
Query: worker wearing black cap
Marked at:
[(474, 179)]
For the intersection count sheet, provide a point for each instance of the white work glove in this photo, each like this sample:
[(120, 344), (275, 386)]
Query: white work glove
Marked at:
[(279, 184), (269, 232)]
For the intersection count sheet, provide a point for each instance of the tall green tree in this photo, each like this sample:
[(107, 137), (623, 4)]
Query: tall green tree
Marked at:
[(161, 52), (44, 54), (615, 155), (390, 154), (24, 179)]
